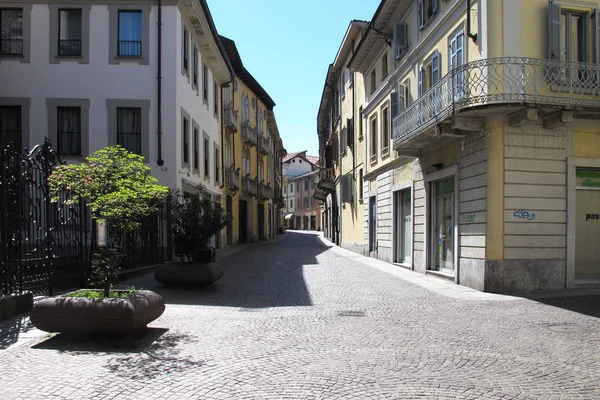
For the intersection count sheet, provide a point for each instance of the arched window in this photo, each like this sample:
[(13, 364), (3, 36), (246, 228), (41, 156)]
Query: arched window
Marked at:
[(245, 161)]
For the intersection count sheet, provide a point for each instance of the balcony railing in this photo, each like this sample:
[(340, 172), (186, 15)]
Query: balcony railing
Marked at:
[(249, 186), (264, 191), (264, 145), (11, 47), (232, 178), (230, 117), (500, 81), (130, 48), (70, 47), (248, 133)]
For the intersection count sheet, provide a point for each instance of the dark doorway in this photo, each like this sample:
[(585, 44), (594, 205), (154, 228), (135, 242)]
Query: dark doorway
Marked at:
[(372, 224), (243, 221), (229, 211), (261, 222)]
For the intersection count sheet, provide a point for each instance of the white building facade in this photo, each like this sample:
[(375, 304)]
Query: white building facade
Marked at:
[(88, 75)]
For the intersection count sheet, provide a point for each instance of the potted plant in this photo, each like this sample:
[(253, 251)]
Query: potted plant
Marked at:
[(195, 219), (119, 191)]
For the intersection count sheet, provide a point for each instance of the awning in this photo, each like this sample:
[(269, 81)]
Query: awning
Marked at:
[(288, 216)]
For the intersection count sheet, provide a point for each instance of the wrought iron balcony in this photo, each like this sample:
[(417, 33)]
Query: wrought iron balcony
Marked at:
[(264, 191), (230, 118), (248, 133), (249, 186), (320, 196), (232, 178), (504, 81), (264, 145), (326, 180)]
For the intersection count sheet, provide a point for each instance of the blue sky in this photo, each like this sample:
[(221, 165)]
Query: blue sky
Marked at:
[(287, 46)]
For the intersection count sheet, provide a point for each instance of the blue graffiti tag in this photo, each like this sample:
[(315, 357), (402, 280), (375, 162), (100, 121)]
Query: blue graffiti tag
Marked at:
[(524, 214)]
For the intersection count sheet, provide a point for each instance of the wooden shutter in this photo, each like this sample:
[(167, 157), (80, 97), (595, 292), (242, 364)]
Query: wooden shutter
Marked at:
[(435, 69), (596, 35), (350, 127), (395, 105), (421, 81), (400, 38), (402, 100), (434, 6), (421, 13), (554, 29)]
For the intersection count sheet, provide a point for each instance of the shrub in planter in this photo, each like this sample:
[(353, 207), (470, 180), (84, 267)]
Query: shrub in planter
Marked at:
[(119, 191), (195, 219)]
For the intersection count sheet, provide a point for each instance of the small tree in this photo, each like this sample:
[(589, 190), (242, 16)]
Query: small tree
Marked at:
[(119, 191), (195, 219)]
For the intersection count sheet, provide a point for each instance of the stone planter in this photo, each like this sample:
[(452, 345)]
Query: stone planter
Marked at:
[(188, 273), (98, 316)]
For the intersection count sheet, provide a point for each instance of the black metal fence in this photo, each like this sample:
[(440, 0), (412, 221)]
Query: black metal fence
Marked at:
[(47, 246)]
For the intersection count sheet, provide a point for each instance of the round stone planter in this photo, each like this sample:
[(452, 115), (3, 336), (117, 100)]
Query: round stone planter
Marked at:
[(188, 274), (98, 316)]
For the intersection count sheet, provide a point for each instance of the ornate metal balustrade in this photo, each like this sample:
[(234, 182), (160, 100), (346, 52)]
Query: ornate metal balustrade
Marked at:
[(326, 180), (230, 118), (232, 178), (500, 81), (264, 145), (249, 134), (249, 186)]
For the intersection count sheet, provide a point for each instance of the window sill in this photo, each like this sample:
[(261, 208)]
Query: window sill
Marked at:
[(11, 57), (373, 160), (427, 23), (439, 274), (385, 152), (383, 77), (79, 57), (128, 58)]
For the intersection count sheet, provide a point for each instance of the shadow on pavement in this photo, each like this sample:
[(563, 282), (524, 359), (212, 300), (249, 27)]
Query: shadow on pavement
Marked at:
[(587, 305), (12, 329), (262, 276)]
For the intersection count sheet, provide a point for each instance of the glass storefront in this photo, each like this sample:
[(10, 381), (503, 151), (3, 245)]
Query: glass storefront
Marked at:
[(442, 226)]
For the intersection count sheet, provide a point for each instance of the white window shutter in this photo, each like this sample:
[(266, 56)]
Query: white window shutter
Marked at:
[(554, 29), (435, 69), (421, 82), (596, 35), (394, 104), (401, 97), (400, 38)]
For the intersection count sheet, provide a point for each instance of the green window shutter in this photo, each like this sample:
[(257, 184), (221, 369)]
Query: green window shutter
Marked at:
[(554, 29)]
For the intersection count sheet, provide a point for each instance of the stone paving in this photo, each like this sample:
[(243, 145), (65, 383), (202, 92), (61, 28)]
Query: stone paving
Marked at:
[(298, 319)]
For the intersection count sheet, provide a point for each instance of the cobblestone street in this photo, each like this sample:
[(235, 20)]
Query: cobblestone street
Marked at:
[(298, 319)]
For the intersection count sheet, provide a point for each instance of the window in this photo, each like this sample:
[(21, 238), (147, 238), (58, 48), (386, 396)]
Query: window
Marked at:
[(400, 39), (429, 74), (228, 162), (10, 126), (350, 78), (68, 130), (305, 203), (573, 36), (69, 32), (374, 139), (130, 33), (206, 157), (129, 129), (245, 162), (426, 9), (456, 60), (385, 131), (204, 82), (306, 184), (11, 26), (343, 83), (360, 125), (373, 80), (217, 172), (196, 159), (360, 184), (291, 188), (216, 97), (186, 141), (186, 50), (285, 189), (195, 68), (291, 203), (384, 66)]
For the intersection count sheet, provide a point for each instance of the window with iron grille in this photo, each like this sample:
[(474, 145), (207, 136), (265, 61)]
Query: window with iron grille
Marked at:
[(68, 130), (195, 67), (129, 129), (217, 171), (130, 33), (10, 126), (186, 49), (11, 27), (206, 157), (69, 32), (205, 82), (186, 141)]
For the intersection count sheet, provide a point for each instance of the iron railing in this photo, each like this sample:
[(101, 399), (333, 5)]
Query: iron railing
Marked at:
[(47, 246), (130, 48), (232, 178), (69, 47), (498, 81), (230, 117), (11, 47), (249, 186), (249, 134), (264, 145)]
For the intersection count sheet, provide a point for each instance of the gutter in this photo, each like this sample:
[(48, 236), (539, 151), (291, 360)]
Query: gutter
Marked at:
[(159, 160)]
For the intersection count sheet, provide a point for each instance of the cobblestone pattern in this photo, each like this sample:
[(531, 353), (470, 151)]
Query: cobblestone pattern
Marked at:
[(271, 329)]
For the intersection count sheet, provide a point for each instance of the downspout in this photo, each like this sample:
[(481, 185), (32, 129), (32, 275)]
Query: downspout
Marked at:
[(353, 131), (222, 136), (469, 34), (160, 162)]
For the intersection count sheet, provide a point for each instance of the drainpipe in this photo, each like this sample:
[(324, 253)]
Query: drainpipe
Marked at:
[(469, 34), (160, 162), (223, 167)]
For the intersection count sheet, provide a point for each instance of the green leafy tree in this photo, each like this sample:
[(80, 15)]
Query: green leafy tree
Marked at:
[(119, 191), (195, 219)]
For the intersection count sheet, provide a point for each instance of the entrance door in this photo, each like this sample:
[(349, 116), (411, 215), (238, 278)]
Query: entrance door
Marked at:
[(270, 225), (442, 226), (243, 221), (313, 222), (403, 227), (372, 224), (261, 222), (229, 211), (587, 226)]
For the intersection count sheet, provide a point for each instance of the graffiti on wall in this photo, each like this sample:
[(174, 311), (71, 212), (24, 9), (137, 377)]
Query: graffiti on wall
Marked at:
[(468, 218), (524, 214)]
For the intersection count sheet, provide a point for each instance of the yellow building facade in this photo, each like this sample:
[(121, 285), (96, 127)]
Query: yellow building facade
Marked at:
[(252, 152), (490, 177)]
